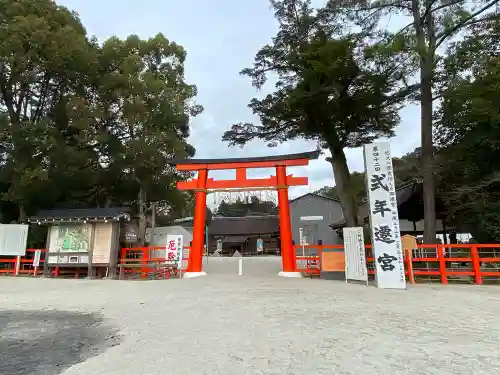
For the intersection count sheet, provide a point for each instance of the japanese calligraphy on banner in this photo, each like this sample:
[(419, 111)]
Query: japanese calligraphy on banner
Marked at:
[(174, 250), (384, 220), (354, 252)]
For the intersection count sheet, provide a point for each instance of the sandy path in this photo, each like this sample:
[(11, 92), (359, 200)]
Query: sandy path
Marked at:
[(229, 325)]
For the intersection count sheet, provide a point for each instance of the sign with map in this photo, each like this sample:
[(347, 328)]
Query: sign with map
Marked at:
[(70, 238)]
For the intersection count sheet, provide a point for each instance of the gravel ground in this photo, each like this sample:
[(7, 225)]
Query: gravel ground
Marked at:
[(255, 324)]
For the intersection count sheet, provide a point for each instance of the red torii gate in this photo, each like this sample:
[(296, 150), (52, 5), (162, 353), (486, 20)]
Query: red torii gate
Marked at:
[(202, 184)]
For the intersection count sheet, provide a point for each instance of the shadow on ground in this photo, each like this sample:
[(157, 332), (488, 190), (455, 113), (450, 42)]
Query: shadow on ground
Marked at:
[(49, 342)]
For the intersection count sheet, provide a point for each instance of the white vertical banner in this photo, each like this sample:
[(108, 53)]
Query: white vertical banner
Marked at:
[(354, 252), (302, 237), (175, 249), (36, 258), (384, 220)]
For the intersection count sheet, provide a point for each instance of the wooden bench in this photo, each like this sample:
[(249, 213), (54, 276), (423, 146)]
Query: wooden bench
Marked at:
[(169, 268)]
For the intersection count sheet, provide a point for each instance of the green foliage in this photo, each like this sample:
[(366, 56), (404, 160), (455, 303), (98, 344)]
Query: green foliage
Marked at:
[(358, 188), (328, 90), (84, 124), (468, 134), (431, 24), (406, 169)]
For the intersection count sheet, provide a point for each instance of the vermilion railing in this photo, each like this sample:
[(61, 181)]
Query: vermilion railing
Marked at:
[(484, 260), (475, 261), (146, 255), (22, 265)]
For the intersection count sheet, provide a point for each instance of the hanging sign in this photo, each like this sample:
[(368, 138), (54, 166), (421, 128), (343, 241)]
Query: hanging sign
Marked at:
[(311, 218), (174, 250), (354, 252), (384, 220)]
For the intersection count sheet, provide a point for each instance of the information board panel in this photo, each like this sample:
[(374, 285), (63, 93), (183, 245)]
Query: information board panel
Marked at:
[(13, 239), (355, 257)]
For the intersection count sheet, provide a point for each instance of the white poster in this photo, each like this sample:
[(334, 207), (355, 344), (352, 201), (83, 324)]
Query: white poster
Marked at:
[(174, 250), (13, 239), (354, 252), (384, 220), (103, 238)]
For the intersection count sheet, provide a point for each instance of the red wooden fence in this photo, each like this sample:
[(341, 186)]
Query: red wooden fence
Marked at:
[(479, 262), (482, 261), (145, 255), (8, 264)]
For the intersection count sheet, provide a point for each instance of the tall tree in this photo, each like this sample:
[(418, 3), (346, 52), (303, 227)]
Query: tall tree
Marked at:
[(468, 133), (330, 90), (43, 51), (141, 113), (84, 124), (431, 24)]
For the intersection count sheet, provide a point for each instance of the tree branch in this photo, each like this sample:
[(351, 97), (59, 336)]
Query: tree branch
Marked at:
[(429, 8), (467, 22), (395, 4)]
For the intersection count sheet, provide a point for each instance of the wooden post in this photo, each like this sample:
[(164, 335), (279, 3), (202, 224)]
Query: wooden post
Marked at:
[(46, 270), (17, 269), (476, 266), (442, 264), (409, 265), (90, 271), (144, 260), (115, 251)]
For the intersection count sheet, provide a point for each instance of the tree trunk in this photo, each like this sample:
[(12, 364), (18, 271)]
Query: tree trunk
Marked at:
[(342, 182), (141, 228), (427, 160), (153, 217), (427, 56), (22, 214)]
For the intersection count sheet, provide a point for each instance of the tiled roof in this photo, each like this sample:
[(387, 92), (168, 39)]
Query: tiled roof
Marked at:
[(304, 155), (90, 214), (314, 195)]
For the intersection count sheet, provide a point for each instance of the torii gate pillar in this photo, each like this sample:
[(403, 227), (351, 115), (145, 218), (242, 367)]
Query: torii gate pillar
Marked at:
[(287, 252), (280, 182)]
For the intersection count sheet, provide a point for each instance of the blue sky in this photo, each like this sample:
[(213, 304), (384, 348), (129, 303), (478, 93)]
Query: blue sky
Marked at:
[(221, 38)]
